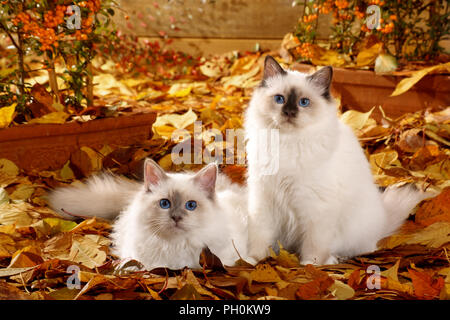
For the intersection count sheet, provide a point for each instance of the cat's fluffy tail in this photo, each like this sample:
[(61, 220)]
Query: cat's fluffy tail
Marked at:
[(399, 202), (101, 196)]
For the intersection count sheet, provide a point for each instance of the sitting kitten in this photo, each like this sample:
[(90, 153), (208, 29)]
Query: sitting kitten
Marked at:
[(167, 221), (322, 203)]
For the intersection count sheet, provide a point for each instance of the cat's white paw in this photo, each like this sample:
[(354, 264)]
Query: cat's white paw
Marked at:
[(308, 261), (331, 260)]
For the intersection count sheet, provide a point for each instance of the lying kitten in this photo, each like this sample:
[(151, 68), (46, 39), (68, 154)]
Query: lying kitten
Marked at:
[(322, 203), (167, 221)]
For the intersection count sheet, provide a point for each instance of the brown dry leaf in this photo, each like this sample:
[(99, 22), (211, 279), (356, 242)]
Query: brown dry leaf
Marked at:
[(87, 161), (43, 101), (407, 83), (411, 140), (382, 160), (367, 56), (324, 57), (244, 80), (354, 279), (341, 290), (10, 292), (244, 64), (426, 156), (433, 236), (164, 123), (435, 209), (7, 246), (94, 281), (188, 292), (425, 287), (66, 173), (52, 117), (318, 287), (29, 256), (52, 226), (21, 214), (391, 284), (22, 192), (190, 278), (284, 258), (357, 120), (392, 272), (264, 273), (89, 250), (93, 226), (8, 167)]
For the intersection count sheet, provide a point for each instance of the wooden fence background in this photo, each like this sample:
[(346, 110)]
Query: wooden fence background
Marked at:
[(214, 26)]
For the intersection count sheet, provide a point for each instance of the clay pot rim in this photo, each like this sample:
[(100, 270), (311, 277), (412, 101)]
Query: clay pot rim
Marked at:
[(26, 131), (435, 82)]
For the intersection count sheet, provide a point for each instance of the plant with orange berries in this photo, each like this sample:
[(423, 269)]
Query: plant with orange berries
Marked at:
[(50, 30), (409, 30)]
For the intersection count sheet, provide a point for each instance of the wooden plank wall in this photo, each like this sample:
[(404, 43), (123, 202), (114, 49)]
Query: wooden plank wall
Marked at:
[(214, 26)]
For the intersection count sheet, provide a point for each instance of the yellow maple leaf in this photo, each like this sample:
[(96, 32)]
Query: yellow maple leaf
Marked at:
[(7, 115)]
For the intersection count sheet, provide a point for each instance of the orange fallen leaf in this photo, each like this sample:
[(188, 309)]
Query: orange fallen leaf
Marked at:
[(317, 288), (435, 209), (425, 287)]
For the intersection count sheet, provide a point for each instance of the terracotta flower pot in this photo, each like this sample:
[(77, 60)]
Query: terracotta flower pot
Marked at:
[(38, 147), (362, 89)]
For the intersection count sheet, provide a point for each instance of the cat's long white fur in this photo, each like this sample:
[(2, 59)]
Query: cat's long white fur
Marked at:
[(103, 195), (221, 225), (322, 202)]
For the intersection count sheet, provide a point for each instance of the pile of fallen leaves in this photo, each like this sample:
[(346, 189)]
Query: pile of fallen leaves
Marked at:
[(39, 249)]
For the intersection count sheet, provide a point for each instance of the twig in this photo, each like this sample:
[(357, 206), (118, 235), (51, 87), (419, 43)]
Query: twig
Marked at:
[(75, 215)]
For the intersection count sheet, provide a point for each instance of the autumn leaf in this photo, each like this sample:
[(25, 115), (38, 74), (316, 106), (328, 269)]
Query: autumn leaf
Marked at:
[(385, 63), (10, 292), (7, 115), (425, 287), (318, 287), (426, 156), (324, 57), (166, 124), (52, 117), (284, 258), (357, 120), (435, 209), (264, 273), (407, 83), (8, 167), (367, 56)]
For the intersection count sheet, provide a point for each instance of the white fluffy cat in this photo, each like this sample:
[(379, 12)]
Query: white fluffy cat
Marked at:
[(322, 202), (167, 220)]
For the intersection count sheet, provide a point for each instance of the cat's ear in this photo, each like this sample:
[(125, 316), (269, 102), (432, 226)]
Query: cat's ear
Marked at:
[(322, 80), (272, 68), (153, 174), (206, 178)]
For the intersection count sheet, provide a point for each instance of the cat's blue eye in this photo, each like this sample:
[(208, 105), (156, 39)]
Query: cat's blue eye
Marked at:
[(304, 102), (191, 205), (278, 99), (164, 203)]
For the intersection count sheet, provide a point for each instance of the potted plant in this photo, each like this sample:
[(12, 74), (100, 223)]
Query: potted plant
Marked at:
[(373, 46), (34, 132)]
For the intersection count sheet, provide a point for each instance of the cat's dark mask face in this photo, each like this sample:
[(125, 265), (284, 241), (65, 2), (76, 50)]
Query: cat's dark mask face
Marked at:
[(292, 98)]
